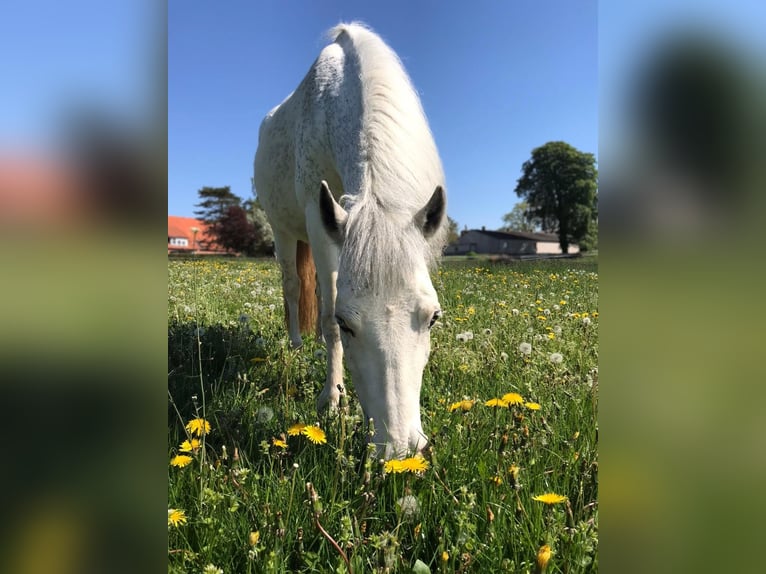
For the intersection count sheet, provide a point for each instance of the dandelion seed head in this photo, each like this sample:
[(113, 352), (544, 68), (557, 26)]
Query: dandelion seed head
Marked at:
[(525, 348), (264, 415), (409, 506), (556, 358)]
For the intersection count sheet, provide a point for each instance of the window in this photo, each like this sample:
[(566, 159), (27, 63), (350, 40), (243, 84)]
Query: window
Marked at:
[(178, 241)]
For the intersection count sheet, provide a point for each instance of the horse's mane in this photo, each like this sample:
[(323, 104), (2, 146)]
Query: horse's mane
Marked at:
[(403, 166)]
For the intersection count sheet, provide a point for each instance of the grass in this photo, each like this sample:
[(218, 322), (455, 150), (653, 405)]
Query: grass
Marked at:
[(245, 500)]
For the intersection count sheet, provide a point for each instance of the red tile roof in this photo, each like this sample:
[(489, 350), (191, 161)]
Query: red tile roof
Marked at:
[(181, 227)]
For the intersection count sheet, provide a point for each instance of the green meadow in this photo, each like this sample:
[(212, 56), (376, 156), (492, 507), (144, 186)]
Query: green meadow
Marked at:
[(508, 483)]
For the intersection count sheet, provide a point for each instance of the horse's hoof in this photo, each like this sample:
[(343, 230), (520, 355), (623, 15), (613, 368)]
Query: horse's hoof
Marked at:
[(328, 400)]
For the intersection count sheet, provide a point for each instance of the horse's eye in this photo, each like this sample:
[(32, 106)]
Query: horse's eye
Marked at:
[(343, 326), (435, 318)]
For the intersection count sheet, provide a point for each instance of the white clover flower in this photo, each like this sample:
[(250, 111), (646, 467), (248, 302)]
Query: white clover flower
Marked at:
[(556, 358), (525, 349)]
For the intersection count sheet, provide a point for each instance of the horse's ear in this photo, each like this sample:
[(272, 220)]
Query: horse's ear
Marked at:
[(430, 218), (333, 215)]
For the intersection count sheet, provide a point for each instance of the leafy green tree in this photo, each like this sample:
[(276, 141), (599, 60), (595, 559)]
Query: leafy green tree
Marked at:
[(452, 234), (560, 184), (264, 242), (517, 220), (215, 203)]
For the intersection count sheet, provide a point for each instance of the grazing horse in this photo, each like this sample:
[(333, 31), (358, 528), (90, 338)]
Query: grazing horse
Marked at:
[(348, 165)]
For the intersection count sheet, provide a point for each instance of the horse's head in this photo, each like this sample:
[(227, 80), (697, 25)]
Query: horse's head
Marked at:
[(385, 308)]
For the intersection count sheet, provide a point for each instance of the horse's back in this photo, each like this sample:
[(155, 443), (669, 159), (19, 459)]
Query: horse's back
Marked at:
[(293, 138)]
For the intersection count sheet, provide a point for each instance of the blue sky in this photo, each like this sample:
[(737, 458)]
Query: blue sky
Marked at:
[(496, 80)]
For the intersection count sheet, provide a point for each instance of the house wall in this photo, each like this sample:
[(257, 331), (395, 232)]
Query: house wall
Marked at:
[(476, 242), (481, 243)]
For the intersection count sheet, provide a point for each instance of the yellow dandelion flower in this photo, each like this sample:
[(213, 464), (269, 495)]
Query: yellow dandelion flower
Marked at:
[(180, 460), (533, 406), (550, 498), (496, 403), (542, 318), (176, 517), (543, 557), (415, 464), (296, 429), (279, 442), (254, 537), (198, 426), (514, 471), (464, 405), (551, 336), (393, 466), (496, 480), (513, 398), (445, 556), (190, 446), (314, 434)]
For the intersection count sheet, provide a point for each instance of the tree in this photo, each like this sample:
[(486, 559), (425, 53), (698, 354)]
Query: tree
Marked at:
[(517, 220), (560, 185), (264, 243), (236, 232), (452, 234), (215, 203)]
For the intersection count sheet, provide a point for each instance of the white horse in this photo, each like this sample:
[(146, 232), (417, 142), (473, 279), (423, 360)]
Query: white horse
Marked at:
[(348, 164)]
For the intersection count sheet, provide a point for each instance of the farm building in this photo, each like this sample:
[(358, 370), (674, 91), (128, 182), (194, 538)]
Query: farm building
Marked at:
[(506, 243), (182, 237)]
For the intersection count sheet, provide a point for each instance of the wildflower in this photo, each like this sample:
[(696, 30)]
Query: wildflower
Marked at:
[(586, 321), (532, 406), (513, 398), (496, 403), (409, 506), (514, 472), (503, 356), (212, 569), (314, 434), (198, 426), (525, 349), (190, 446), (556, 358), (417, 529), (176, 517), (496, 480), (445, 556), (279, 442), (415, 464), (296, 429), (487, 331), (393, 466), (465, 405), (514, 312), (551, 336), (254, 537), (550, 498), (180, 460), (264, 415), (543, 557)]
